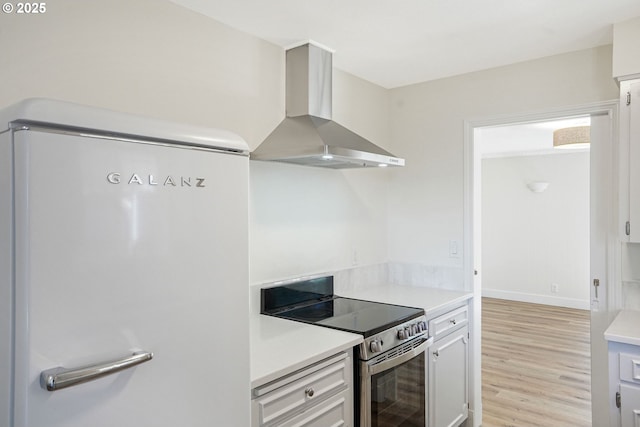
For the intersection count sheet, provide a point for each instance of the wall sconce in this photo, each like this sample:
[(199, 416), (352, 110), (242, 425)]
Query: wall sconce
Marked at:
[(572, 138), (537, 186)]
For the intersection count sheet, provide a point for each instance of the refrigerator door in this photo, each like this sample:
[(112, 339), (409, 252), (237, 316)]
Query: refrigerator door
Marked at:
[(122, 247)]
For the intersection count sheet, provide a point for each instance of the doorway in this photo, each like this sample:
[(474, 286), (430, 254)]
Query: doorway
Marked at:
[(535, 212), (603, 262)]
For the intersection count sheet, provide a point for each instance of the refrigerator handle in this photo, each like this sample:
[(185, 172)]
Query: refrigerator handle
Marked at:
[(58, 378)]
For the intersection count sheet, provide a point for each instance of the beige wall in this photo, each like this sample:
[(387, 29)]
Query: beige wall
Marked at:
[(144, 56), (157, 59), (426, 197)]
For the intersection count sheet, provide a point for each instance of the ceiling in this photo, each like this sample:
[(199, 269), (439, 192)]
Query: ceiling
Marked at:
[(398, 42)]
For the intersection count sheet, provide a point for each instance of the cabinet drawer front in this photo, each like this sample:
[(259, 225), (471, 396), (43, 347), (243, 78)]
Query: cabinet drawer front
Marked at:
[(449, 322), (334, 412), (303, 392), (630, 368)]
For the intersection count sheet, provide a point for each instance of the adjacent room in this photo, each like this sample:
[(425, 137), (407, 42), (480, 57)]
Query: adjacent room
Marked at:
[(535, 272)]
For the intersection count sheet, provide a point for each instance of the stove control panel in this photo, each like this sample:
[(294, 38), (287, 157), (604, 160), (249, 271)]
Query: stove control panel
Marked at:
[(392, 337), (411, 330)]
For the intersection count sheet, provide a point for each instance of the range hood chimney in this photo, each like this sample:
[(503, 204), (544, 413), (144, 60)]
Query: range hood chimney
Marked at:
[(308, 135)]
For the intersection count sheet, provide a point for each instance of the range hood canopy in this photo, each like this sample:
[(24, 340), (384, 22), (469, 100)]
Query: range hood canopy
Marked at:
[(308, 136)]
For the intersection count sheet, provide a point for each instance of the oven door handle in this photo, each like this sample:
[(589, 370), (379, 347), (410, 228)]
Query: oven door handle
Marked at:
[(391, 363)]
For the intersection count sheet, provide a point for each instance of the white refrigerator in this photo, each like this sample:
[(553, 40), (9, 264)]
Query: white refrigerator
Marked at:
[(124, 271)]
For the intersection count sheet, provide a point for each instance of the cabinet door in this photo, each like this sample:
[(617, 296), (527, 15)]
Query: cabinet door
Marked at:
[(448, 379), (630, 405), (633, 129)]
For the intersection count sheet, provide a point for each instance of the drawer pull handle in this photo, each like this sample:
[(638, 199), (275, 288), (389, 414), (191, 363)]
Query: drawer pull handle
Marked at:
[(309, 392), (453, 321)]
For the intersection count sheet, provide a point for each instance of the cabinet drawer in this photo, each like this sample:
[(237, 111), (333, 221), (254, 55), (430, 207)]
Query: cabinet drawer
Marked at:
[(449, 322), (335, 412), (285, 397), (630, 368)]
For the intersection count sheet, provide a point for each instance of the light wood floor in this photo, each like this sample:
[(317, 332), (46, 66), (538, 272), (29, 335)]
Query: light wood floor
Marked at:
[(535, 365)]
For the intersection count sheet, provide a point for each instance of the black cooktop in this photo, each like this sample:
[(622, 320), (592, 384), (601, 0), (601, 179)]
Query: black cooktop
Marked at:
[(313, 301)]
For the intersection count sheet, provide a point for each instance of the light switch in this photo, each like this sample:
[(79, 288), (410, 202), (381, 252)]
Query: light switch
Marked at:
[(453, 248)]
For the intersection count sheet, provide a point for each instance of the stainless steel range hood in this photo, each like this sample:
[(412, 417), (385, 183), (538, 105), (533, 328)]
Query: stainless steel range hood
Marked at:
[(308, 136)]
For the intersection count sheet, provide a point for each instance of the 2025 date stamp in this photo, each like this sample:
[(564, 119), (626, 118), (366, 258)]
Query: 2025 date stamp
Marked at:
[(24, 8)]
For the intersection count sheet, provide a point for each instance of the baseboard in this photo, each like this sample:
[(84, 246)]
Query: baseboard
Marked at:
[(537, 299)]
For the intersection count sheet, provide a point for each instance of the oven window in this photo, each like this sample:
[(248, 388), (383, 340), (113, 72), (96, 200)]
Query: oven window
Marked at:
[(398, 395)]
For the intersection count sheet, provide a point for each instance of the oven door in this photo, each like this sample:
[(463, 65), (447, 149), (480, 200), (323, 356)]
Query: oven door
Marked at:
[(392, 387)]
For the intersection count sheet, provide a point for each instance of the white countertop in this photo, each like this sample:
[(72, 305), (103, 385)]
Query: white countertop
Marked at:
[(429, 299), (280, 346), (625, 328)]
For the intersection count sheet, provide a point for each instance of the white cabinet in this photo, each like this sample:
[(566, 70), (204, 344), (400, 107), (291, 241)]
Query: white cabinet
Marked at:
[(448, 370), (320, 395), (629, 406), (335, 411), (625, 60), (630, 160), (624, 365)]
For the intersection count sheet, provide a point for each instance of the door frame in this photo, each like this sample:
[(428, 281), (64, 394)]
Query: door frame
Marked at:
[(471, 229)]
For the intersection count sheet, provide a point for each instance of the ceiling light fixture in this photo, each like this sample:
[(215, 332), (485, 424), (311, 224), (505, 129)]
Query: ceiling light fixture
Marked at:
[(572, 138)]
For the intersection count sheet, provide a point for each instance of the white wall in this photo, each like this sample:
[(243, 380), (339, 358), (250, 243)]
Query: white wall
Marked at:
[(426, 197), (307, 220), (533, 240), (155, 58)]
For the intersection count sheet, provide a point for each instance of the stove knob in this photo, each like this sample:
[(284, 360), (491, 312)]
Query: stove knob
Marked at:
[(407, 331), (375, 346), (402, 335), (414, 329), (423, 324)]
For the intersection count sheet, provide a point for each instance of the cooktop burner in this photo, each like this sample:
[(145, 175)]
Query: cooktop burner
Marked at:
[(312, 301)]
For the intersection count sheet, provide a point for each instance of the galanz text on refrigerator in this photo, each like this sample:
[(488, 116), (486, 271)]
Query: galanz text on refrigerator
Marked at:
[(168, 180)]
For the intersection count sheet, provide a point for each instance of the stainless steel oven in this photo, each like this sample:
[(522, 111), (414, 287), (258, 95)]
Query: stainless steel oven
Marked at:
[(392, 386)]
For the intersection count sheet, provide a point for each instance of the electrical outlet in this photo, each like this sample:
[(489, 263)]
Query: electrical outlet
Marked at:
[(554, 288)]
